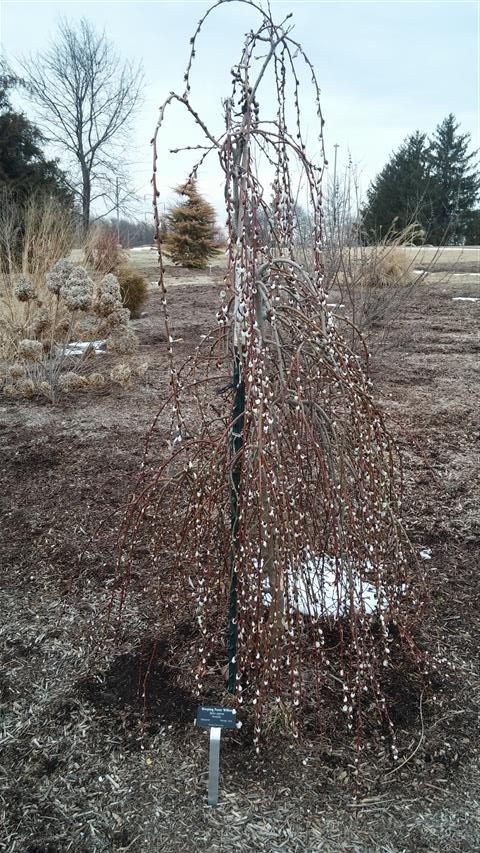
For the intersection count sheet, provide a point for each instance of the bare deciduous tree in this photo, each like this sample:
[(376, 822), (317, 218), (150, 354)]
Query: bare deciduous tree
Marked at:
[(86, 99)]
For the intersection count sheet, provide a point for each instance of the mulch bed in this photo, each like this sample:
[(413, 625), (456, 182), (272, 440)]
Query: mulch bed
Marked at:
[(83, 768)]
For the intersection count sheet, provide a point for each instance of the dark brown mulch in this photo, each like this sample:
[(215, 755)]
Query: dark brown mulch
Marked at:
[(82, 769)]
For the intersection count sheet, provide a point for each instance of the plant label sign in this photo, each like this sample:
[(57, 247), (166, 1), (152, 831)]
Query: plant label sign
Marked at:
[(221, 718), (215, 719)]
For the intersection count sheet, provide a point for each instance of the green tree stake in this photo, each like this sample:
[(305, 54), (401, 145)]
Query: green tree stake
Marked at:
[(237, 443)]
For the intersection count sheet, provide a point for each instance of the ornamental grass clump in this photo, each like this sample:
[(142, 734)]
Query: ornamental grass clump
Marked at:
[(133, 288), (372, 284), (273, 522), (103, 252)]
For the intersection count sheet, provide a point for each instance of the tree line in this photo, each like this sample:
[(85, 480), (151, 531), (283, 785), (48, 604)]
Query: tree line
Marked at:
[(86, 100)]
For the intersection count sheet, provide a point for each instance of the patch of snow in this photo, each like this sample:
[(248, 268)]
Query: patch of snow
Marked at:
[(465, 298), (420, 272), (462, 274), (320, 593), (335, 305), (315, 590), (142, 249), (79, 347), (426, 554)]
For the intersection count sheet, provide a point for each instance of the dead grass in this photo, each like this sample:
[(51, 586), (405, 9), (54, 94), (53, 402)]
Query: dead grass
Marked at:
[(48, 235)]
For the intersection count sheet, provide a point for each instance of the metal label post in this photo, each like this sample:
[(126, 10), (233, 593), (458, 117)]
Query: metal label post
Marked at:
[(214, 765), (215, 719)]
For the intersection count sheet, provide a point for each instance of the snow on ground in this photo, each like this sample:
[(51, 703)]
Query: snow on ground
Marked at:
[(465, 298), (79, 347), (316, 590)]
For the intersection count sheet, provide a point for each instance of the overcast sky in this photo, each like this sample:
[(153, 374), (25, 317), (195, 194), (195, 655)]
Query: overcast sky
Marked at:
[(385, 69)]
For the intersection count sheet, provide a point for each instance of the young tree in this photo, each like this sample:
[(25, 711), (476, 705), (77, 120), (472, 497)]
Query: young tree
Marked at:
[(455, 182), (86, 99), (399, 195), (191, 235), (24, 169), (277, 501)]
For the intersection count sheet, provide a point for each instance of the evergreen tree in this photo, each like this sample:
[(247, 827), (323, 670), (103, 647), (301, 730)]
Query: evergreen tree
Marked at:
[(23, 167), (472, 233), (430, 182), (399, 195), (455, 183), (191, 234)]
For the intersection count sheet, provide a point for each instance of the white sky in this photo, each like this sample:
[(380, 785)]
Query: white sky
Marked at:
[(385, 69)]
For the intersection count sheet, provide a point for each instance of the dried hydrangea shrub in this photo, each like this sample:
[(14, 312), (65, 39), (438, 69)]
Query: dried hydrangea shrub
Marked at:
[(30, 350), (122, 341), (16, 371), (121, 374), (72, 382), (96, 380), (117, 317), (77, 290), (109, 297), (24, 289), (59, 275), (26, 387), (45, 389), (42, 322), (10, 390)]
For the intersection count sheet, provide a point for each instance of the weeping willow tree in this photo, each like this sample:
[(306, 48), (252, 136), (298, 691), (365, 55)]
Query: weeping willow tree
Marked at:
[(274, 520)]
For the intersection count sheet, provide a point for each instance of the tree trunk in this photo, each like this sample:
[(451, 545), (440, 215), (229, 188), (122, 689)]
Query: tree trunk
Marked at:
[(86, 200)]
